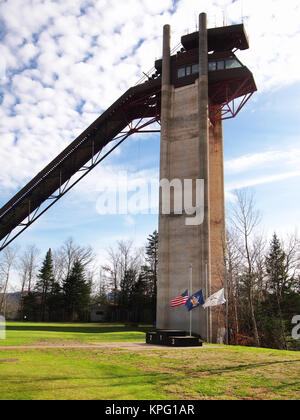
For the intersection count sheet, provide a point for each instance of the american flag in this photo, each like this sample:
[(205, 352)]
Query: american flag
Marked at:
[(180, 300)]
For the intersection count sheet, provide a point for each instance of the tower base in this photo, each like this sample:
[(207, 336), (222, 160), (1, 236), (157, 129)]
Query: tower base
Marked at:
[(172, 338)]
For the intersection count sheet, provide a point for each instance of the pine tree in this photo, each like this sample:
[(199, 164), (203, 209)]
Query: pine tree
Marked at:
[(45, 283), (30, 308), (150, 271), (127, 287), (146, 289), (139, 298), (152, 251), (55, 302), (77, 293), (278, 285), (276, 267)]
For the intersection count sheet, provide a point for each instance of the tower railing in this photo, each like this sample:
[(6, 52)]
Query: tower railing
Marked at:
[(149, 73)]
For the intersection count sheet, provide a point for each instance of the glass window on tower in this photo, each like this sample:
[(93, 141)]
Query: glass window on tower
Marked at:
[(220, 65), (232, 63), (195, 68), (181, 72), (212, 66)]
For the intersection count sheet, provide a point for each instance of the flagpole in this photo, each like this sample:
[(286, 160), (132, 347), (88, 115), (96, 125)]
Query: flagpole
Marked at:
[(207, 309), (190, 294), (227, 307)]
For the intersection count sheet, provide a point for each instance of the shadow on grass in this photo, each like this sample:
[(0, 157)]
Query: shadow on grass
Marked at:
[(120, 378), (105, 385), (248, 366), (88, 329)]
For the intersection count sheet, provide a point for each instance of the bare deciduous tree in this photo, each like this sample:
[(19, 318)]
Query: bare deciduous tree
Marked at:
[(291, 246), (120, 260), (27, 266), (233, 264), (7, 261), (111, 270), (67, 254), (259, 245), (244, 218)]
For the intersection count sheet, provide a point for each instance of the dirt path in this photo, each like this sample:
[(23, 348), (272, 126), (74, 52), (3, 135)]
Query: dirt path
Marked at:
[(127, 346)]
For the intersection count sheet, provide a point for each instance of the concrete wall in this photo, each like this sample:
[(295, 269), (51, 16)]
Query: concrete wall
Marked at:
[(217, 228)]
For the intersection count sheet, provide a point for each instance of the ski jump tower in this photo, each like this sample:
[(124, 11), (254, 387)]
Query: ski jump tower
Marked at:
[(190, 93), (199, 86)]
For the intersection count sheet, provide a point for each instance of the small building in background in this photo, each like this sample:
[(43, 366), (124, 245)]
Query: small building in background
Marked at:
[(11, 305), (98, 312)]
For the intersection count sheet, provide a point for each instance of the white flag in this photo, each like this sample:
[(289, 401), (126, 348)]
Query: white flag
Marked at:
[(216, 299)]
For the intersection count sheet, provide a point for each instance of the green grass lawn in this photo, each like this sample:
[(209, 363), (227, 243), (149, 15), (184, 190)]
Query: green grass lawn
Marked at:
[(115, 374), (30, 333)]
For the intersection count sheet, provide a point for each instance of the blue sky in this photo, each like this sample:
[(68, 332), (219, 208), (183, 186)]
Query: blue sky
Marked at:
[(64, 62)]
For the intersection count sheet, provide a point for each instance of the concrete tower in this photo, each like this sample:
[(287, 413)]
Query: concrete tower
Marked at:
[(192, 149)]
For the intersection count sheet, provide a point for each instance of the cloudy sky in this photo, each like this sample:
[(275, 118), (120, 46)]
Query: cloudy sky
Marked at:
[(63, 62)]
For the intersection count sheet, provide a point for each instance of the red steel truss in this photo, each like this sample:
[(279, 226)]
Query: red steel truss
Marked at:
[(229, 97), (138, 114)]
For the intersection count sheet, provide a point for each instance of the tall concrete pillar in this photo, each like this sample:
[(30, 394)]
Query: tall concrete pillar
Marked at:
[(163, 265), (204, 228), (217, 227)]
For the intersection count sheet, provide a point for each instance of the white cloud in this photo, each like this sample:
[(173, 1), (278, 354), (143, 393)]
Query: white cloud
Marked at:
[(60, 55), (251, 182), (263, 160), (273, 29), (261, 168)]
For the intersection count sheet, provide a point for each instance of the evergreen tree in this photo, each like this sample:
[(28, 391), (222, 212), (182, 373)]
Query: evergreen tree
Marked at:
[(149, 271), (44, 284), (139, 298), (55, 302), (77, 293), (276, 268), (127, 286), (152, 252), (30, 308), (279, 286)]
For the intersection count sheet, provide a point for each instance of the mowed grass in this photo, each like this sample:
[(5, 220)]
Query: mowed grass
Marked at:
[(223, 372), (23, 334)]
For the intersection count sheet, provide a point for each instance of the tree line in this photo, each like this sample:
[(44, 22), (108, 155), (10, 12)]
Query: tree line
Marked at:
[(131, 276), (262, 280), (51, 300), (69, 281)]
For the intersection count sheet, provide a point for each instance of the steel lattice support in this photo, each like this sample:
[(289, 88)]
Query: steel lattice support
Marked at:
[(229, 108), (133, 127)]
